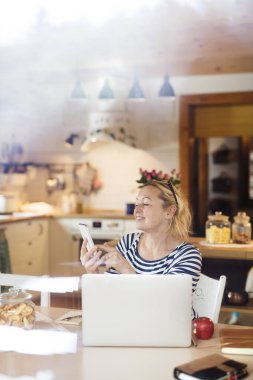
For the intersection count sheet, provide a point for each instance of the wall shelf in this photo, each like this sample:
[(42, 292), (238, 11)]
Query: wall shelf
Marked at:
[(246, 309)]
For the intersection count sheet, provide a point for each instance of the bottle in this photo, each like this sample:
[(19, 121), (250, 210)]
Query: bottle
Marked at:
[(241, 228), (218, 229), (17, 309)]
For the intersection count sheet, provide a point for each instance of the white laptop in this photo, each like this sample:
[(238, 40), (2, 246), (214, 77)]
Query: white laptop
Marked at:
[(136, 310)]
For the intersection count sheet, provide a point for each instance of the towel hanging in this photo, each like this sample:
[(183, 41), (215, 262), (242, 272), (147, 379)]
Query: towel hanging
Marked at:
[(5, 262)]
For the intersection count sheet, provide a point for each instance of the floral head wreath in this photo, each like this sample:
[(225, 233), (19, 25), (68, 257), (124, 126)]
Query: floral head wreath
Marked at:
[(167, 180)]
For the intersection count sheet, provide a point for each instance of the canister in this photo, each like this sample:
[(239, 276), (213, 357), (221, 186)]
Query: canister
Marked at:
[(17, 309), (8, 204), (218, 229), (241, 228)]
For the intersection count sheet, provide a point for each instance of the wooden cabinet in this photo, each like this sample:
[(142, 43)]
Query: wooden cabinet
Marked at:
[(28, 246), (61, 243)]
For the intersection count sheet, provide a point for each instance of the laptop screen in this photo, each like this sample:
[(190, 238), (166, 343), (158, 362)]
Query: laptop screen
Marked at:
[(136, 310)]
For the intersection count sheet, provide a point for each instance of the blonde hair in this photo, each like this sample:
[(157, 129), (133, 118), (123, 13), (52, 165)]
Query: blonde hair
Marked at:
[(182, 219)]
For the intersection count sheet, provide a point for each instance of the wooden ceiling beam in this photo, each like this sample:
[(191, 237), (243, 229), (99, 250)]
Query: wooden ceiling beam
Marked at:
[(215, 65)]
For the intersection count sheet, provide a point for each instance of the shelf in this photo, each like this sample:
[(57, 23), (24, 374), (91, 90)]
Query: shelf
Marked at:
[(246, 309)]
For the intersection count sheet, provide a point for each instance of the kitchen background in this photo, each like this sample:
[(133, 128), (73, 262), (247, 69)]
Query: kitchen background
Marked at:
[(47, 50)]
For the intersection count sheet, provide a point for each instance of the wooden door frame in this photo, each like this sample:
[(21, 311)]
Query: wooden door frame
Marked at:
[(188, 138)]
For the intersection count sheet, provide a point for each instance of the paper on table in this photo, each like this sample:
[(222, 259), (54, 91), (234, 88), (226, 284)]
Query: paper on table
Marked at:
[(37, 341), (72, 317), (40, 317)]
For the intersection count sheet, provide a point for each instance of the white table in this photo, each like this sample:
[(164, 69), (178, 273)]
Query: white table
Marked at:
[(108, 363)]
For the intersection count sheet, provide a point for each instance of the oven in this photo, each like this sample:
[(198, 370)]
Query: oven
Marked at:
[(101, 230)]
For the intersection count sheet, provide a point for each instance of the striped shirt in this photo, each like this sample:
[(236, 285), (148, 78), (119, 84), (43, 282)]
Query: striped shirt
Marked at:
[(184, 259)]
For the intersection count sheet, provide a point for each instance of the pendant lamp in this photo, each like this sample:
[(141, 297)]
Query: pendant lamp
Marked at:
[(166, 90), (78, 91), (136, 92), (106, 92)]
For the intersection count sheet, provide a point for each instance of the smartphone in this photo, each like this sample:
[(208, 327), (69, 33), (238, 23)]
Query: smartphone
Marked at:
[(86, 235)]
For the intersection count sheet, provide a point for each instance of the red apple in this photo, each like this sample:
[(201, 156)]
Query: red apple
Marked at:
[(203, 327)]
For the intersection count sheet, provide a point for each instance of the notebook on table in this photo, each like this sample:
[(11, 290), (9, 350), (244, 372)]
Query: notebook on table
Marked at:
[(136, 310)]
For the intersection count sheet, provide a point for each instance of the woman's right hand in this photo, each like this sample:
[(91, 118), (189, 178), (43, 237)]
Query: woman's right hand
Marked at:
[(90, 259)]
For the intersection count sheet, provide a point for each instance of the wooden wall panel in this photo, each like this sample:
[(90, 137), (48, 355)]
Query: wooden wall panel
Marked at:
[(227, 121)]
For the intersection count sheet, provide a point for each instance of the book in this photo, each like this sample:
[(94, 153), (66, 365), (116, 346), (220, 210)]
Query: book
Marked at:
[(211, 367), (236, 340)]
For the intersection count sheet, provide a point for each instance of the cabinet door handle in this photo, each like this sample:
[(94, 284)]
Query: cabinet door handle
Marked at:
[(113, 224), (76, 237), (29, 263), (41, 229)]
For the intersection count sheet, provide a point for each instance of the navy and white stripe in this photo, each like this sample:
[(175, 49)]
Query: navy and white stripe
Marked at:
[(184, 259)]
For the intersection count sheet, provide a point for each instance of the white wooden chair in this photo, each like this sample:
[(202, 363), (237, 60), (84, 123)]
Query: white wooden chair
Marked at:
[(249, 283), (208, 295), (43, 284)]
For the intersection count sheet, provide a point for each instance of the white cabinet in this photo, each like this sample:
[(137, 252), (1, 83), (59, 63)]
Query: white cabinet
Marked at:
[(28, 246), (130, 226), (52, 246)]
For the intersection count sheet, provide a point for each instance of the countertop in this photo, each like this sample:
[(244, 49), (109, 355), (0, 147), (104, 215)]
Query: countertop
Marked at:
[(105, 214), (89, 214), (237, 252), (225, 251), (20, 216)]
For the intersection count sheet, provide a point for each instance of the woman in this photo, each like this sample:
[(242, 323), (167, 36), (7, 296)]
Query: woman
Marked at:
[(163, 217)]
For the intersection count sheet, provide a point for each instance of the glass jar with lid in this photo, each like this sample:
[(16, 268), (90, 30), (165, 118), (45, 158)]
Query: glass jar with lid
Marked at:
[(218, 229), (241, 228), (17, 309)]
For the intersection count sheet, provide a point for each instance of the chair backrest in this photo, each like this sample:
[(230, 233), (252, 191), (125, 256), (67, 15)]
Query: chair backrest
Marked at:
[(43, 284), (249, 283), (208, 295)]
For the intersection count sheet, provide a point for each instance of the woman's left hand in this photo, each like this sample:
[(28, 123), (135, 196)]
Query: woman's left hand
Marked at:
[(113, 259)]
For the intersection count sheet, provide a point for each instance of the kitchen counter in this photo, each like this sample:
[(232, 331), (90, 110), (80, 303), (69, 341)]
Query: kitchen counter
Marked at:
[(226, 251), (101, 214), (235, 251), (50, 242), (20, 216)]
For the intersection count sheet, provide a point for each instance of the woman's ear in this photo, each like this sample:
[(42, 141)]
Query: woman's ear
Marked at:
[(171, 210)]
